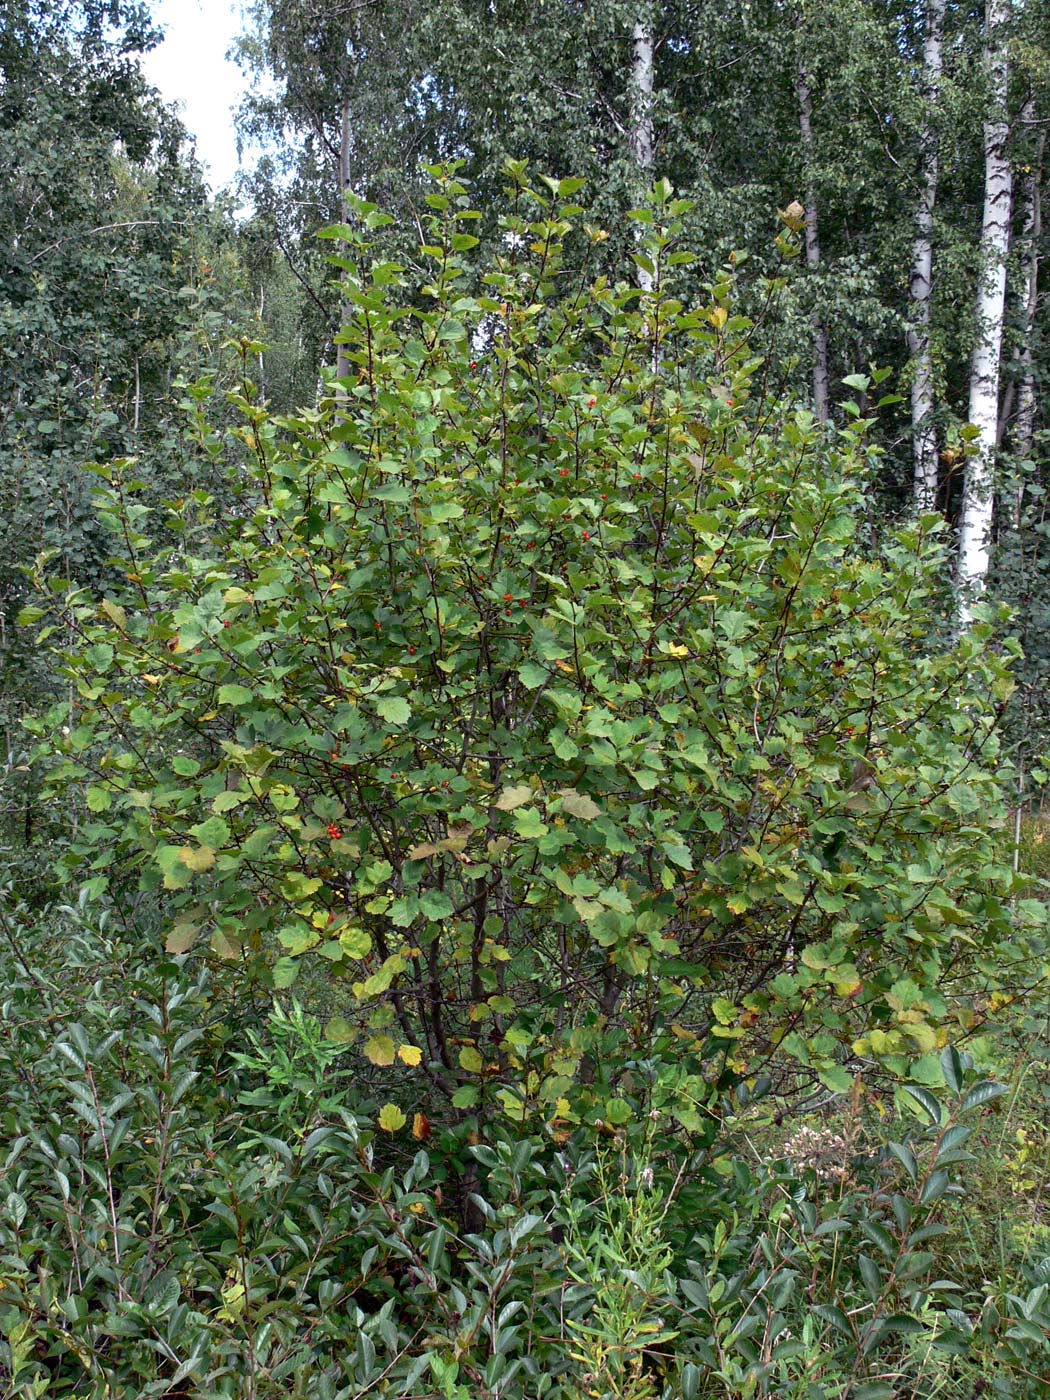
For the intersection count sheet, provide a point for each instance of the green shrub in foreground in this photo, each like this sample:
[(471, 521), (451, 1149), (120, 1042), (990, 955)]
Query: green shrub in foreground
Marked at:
[(546, 698)]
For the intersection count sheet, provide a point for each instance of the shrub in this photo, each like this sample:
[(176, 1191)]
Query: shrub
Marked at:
[(180, 1218), (546, 696)]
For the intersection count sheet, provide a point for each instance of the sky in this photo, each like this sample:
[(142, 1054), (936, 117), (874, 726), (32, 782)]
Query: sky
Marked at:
[(190, 68)]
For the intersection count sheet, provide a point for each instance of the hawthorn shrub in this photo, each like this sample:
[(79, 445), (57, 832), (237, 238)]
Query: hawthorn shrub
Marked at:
[(545, 704)]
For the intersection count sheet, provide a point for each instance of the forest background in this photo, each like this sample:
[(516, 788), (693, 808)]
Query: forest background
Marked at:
[(524, 691)]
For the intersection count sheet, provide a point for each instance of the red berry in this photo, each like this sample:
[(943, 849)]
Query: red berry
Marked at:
[(591, 403), (225, 623), (334, 832), (508, 597), (604, 496), (411, 651), (586, 535), (473, 364), (637, 476)]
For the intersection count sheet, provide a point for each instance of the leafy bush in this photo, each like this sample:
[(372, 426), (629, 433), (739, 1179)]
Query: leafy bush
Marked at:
[(547, 698), (547, 721)]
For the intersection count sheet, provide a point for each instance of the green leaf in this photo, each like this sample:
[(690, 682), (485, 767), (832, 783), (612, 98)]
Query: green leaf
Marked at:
[(213, 832), (926, 1100), (981, 1094), (934, 1187), (533, 676), (285, 972), (394, 709), (235, 695), (952, 1069), (837, 1079), (435, 904), (829, 1312)]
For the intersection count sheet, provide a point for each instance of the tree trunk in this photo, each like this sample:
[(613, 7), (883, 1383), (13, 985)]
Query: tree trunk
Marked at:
[(1023, 434), (821, 389), (978, 488), (924, 435), (641, 128), (342, 362)]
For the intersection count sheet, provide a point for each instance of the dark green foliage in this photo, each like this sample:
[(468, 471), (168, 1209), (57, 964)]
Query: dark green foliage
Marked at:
[(180, 1217), (116, 286)]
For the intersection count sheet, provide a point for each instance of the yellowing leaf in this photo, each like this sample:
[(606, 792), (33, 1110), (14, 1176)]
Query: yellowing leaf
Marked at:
[(512, 797), (676, 649), (409, 1054), (355, 942), (470, 1060), (115, 613), (380, 1049), (233, 1297), (224, 947), (339, 1031), (424, 849), (181, 938), (578, 804), (201, 859), (718, 317), (391, 1119)]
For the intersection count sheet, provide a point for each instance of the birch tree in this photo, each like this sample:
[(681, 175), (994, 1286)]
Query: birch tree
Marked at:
[(978, 495), (821, 388), (641, 128), (1024, 427), (920, 286)]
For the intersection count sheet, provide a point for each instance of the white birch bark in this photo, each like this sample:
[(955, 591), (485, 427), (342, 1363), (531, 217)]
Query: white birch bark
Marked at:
[(821, 385), (1032, 230), (342, 361), (640, 136), (920, 287), (975, 524)]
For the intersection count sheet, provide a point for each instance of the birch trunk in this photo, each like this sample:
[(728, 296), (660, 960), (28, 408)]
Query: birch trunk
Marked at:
[(920, 287), (975, 522), (640, 135), (1024, 428), (342, 362), (821, 388)]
